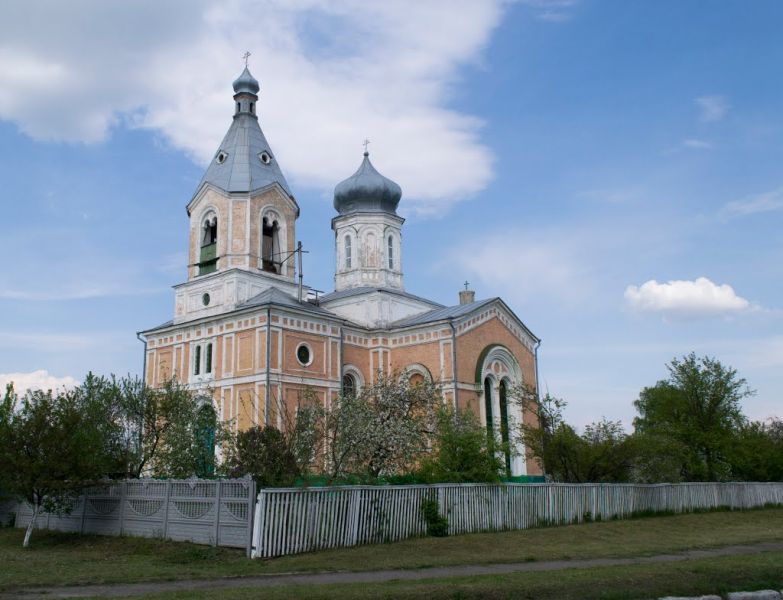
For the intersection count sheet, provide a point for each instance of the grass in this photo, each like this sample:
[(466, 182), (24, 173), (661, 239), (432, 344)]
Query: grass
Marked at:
[(636, 582), (66, 559)]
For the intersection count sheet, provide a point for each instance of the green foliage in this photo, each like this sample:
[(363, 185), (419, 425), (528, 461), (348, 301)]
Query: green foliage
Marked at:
[(757, 452), (262, 453), (51, 448), (462, 451), (698, 407), (437, 525)]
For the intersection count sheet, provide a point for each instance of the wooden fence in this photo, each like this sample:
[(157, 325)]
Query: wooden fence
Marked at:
[(294, 520)]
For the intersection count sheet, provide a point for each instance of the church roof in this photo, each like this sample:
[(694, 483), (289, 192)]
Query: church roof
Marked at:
[(359, 291), (244, 161), (367, 191), (276, 297), (242, 168), (442, 314)]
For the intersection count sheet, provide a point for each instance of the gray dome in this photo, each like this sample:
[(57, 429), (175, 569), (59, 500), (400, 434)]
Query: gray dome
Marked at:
[(367, 190), (246, 83)]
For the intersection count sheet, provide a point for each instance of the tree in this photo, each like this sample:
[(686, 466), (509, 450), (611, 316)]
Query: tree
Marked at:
[(383, 430), (50, 449), (756, 453), (262, 453), (698, 407), (462, 451)]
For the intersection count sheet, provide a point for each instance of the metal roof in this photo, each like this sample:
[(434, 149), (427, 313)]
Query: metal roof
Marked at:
[(442, 314), (276, 297), (360, 291), (237, 165), (367, 191)]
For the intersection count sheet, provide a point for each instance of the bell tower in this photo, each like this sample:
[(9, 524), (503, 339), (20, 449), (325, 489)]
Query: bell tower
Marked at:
[(242, 218), (368, 230)]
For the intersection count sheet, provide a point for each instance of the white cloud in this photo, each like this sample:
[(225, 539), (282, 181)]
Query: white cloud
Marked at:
[(696, 144), (712, 108), (701, 297), (331, 73), (554, 11), (36, 380), (768, 201)]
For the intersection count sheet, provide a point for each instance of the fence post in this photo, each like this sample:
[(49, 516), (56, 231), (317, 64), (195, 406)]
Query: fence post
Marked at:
[(218, 495), (259, 524), (356, 505), (251, 502), (166, 512), (123, 492)]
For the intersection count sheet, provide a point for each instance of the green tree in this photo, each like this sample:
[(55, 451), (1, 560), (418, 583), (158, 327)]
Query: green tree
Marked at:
[(50, 449), (756, 453), (462, 451), (697, 407), (264, 454)]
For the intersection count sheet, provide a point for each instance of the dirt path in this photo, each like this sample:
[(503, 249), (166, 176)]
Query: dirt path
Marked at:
[(137, 589)]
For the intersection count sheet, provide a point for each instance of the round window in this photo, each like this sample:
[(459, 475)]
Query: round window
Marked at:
[(221, 157), (205, 299), (303, 354), (265, 157)]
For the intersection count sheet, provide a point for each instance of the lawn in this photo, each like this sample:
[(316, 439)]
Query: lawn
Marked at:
[(65, 559), (636, 582)]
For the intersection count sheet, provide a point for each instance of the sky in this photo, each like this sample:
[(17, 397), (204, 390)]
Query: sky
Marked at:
[(611, 169)]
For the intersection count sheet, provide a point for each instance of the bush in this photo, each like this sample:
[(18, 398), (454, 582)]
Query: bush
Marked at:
[(437, 525), (463, 452), (263, 454)]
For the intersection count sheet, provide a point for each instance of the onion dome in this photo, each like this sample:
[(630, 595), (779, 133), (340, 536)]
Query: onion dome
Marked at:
[(367, 191), (246, 83)]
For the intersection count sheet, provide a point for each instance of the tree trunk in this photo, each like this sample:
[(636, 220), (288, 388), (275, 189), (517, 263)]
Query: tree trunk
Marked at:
[(30, 527)]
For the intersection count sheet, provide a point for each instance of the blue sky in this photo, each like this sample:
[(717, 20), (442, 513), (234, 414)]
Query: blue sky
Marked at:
[(611, 169)]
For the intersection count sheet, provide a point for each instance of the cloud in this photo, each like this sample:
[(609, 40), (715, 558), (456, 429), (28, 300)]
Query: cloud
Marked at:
[(36, 380), (695, 144), (712, 108), (766, 202), (553, 11), (331, 73), (685, 298), (524, 265), (54, 342)]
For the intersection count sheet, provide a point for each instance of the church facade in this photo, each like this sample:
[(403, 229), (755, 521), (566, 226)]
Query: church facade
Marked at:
[(252, 336)]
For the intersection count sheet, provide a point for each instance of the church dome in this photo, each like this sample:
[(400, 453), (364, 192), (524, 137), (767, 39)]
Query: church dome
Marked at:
[(246, 83), (367, 191)]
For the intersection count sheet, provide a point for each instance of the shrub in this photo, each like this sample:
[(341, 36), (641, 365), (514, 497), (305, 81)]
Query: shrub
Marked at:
[(437, 525), (263, 454)]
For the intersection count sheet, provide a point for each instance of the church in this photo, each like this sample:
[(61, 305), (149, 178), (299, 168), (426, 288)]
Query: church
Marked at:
[(249, 332)]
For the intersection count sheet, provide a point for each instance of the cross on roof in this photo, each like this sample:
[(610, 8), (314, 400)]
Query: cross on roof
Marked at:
[(466, 285), (366, 142), (246, 55)]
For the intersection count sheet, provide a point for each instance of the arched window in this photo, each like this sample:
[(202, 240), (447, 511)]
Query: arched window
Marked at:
[(504, 433), (349, 385), (197, 361), (208, 254), (270, 246), (347, 251), (488, 403), (208, 366), (391, 252)]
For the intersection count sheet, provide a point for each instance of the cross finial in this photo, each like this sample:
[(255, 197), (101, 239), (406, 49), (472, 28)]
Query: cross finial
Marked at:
[(366, 143), (466, 285), (246, 55)]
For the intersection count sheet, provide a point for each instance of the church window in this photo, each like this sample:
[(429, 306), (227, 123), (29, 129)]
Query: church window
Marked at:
[(270, 246), (391, 252), (347, 251), (265, 157), (488, 404), (349, 385), (197, 361), (416, 379), (206, 425), (208, 366), (205, 299), (251, 106), (221, 157), (304, 355), (239, 107), (504, 434), (208, 252)]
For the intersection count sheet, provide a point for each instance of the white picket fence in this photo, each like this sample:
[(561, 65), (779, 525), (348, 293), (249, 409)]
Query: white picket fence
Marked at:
[(294, 520)]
